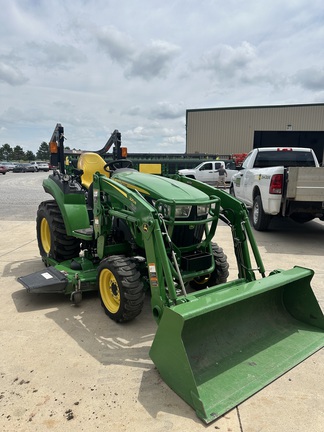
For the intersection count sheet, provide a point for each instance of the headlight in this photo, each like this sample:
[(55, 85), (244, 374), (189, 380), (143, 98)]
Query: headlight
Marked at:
[(164, 210), (202, 209), (182, 211)]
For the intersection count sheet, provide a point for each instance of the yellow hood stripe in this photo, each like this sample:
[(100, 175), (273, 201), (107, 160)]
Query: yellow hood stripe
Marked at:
[(130, 186), (118, 189)]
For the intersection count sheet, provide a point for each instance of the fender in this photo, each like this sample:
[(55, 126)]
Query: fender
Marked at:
[(71, 203)]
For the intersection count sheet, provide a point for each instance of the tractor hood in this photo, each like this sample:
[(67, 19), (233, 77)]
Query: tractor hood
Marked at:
[(159, 187)]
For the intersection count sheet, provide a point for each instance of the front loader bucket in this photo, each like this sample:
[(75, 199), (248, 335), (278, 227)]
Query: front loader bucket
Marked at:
[(228, 342)]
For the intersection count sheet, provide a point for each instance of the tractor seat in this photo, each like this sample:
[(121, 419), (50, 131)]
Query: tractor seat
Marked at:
[(90, 163)]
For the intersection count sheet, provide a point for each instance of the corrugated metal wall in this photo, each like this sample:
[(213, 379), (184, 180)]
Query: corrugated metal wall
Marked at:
[(231, 130)]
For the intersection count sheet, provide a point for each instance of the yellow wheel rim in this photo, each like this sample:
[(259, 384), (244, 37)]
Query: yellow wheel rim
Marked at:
[(45, 234), (109, 290)]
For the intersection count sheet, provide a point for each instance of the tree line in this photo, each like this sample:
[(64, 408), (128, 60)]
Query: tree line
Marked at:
[(7, 153)]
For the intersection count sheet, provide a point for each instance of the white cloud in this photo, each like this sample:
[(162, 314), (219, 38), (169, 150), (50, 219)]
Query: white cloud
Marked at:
[(52, 55), (226, 60), (153, 61), (117, 45), (11, 75), (167, 110)]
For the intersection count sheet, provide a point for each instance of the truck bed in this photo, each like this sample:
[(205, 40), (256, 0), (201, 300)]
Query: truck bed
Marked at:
[(305, 184)]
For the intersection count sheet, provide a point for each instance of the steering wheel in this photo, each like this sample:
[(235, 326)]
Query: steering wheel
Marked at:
[(117, 164)]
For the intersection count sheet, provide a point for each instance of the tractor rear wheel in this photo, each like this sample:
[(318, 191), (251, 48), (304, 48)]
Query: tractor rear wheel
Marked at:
[(120, 288), (52, 239), (218, 276)]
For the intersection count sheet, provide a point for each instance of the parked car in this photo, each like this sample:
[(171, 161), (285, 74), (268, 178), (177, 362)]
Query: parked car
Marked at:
[(9, 165), (40, 166), (3, 169), (24, 167)]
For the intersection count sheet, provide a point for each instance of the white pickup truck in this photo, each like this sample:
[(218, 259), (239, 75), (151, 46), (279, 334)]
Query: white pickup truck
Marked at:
[(280, 181), (207, 171)]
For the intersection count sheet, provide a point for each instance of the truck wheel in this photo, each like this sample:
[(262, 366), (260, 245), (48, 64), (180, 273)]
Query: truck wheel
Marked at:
[(218, 276), (260, 219), (52, 239), (120, 288)]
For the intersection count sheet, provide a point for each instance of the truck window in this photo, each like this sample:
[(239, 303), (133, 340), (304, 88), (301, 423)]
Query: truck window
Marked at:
[(266, 159), (262, 161), (230, 165), (246, 160), (206, 166), (305, 159)]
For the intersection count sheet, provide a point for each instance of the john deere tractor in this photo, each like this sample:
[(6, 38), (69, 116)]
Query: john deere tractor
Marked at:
[(110, 228)]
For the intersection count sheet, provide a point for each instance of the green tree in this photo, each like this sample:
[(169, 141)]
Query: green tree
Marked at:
[(43, 152), (18, 153), (30, 155), (6, 152)]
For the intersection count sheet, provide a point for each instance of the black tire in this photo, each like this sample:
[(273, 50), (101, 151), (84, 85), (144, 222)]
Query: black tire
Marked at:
[(51, 234), (260, 219), (120, 288), (218, 276)]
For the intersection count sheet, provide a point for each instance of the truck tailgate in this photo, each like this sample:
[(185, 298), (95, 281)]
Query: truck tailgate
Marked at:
[(306, 184)]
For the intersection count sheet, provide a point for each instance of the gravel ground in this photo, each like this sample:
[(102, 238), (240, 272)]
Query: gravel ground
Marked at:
[(20, 194)]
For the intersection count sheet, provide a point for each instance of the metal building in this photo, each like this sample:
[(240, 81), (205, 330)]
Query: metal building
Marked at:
[(238, 129)]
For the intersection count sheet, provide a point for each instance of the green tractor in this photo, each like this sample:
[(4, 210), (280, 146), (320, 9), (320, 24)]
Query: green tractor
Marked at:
[(112, 229)]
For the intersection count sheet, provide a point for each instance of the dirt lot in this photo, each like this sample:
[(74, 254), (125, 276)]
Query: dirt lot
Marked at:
[(69, 368)]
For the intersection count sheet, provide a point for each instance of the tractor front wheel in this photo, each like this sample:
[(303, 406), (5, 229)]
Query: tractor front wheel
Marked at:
[(218, 276), (52, 239), (120, 288)]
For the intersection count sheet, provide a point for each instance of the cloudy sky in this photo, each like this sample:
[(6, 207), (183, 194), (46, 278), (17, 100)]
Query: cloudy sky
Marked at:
[(99, 65)]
